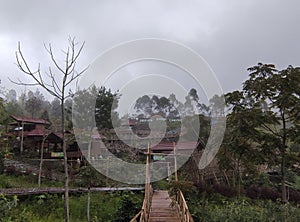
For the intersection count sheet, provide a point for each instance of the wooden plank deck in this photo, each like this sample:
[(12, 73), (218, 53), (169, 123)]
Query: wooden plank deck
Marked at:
[(161, 210)]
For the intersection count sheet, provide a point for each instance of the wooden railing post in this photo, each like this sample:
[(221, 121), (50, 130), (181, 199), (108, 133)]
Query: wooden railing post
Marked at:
[(145, 212), (175, 162), (182, 207)]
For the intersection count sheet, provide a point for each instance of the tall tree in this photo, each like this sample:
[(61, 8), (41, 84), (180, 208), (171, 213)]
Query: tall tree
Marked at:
[(105, 108), (242, 132), (3, 114), (33, 104), (268, 111), (143, 105), (57, 88), (278, 94), (83, 113), (11, 95), (14, 108)]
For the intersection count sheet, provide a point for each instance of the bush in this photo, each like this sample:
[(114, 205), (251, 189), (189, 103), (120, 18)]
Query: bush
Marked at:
[(219, 208), (294, 196), (264, 193), (6, 206), (225, 190), (128, 207), (1, 162), (105, 206), (184, 186)]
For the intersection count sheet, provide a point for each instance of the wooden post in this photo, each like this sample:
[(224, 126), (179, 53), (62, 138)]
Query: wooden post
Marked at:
[(175, 162), (148, 165), (169, 176), (22, 138), (107, 165), (146, 205)]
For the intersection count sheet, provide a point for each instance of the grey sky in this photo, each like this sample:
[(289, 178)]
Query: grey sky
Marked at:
[(230, 35)]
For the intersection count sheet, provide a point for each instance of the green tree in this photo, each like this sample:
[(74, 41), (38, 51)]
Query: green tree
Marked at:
[(242, 132), (143, 105), (11, 95), (33, 104), (14, 108), (268, 112), (105, 108), (84, 115), (3, 112)]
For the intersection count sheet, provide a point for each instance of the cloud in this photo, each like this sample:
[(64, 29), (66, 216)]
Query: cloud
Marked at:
[(231, 35)]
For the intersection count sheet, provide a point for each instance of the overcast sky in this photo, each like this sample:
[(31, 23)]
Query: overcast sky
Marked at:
[(230, 35)]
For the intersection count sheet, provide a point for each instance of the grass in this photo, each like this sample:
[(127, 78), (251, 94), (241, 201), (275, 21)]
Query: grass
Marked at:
[(219, 208), (105, 207), (25, 181)]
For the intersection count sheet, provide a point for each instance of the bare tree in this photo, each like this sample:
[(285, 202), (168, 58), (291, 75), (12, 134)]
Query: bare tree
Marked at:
[(57, 88)]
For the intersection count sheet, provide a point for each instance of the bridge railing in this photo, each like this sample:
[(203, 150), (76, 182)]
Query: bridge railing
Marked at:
[(182, 207), (146, 204), (135, 218), (145, 212), (143, 215)]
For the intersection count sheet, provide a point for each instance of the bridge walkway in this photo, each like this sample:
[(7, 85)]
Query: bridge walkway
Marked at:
[(162, 209)]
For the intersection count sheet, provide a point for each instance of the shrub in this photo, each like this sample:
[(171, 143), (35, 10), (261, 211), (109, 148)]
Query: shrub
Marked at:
[(6, 206), (264, 193), (225, 190), (1, 162)]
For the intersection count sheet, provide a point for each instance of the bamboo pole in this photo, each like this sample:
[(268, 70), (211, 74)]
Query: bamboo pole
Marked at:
[(169, 176), (107, 167), (22, 138), (175, 162)]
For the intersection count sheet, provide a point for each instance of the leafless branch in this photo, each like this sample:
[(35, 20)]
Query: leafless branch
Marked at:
[(50, 52), (69, 74)]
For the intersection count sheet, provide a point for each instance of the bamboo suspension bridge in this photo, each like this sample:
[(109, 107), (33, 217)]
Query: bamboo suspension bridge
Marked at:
[(159, 206)]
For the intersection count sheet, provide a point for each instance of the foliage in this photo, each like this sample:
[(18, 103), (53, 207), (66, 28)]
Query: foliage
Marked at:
[(216, 207), (1, 162), (105, 207), (129, 205), (4, 116), (7, 204), (84, 105), (297, 182), (263, 119), (89, 177), (146, 106), (184, 186), (33, 104), (24, 181), (14, 108), (105, 109), (243, 210), (161, 185)]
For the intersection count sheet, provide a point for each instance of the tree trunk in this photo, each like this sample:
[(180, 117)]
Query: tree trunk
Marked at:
[(283, 177), (88, 204), (67, 211), (203, 206), (22, 138), (282, 152)]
